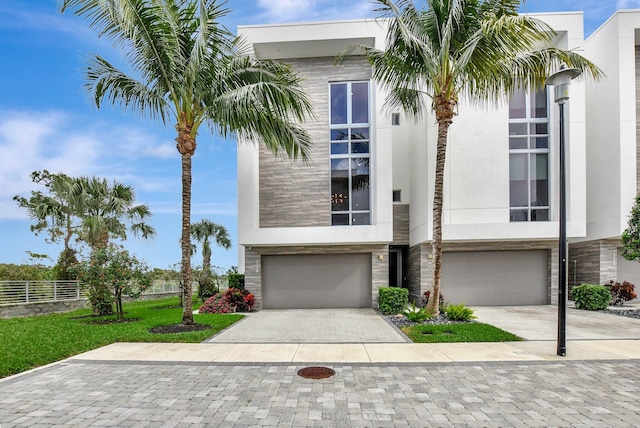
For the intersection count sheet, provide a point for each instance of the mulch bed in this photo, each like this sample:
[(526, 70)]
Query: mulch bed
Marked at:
[(178, 328)]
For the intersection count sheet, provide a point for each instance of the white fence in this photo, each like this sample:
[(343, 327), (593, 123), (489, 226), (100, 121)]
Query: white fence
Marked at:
[(22, 292)]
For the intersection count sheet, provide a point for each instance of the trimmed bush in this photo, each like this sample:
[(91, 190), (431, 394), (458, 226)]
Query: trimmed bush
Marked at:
[(392, 300), (459, 312), (235, 280), (591, 297)]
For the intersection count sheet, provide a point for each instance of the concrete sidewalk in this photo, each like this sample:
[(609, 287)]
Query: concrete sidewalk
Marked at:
[(363, 352)]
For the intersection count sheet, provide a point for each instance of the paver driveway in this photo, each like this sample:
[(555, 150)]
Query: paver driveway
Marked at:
[(311, 326)]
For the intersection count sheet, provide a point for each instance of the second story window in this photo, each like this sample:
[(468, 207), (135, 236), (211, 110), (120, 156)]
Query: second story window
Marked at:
[(350, 153), (529, 156)]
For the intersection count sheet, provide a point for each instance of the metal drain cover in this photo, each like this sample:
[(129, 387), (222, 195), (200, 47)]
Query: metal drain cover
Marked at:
[(316, 372)]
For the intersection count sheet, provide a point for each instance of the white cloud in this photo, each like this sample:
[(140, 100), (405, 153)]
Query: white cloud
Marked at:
[(628, 4), (59, 142), (278, 11)]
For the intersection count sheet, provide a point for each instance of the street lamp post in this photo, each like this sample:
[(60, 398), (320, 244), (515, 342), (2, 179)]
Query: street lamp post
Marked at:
[(561, 81)]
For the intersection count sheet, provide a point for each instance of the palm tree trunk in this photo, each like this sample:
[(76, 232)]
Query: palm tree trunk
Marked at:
[(444, 116), (186, 145), (187, 312)]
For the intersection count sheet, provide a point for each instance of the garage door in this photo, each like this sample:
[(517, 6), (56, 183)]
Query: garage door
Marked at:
[(488, 278), (316, 281)]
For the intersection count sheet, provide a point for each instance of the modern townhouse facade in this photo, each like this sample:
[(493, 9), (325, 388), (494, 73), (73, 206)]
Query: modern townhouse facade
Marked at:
[(358, 216), (613, 152)]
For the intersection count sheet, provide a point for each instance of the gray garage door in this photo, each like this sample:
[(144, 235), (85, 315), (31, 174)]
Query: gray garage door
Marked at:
[(488, 278), (628, 270), (316, 281)]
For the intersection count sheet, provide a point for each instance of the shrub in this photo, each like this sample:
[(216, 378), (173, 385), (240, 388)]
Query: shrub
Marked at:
[(621, 293), (392, 300), (235, 280), (459, 312), (215, 305), (591, 297), (239, 298), (415, 314)]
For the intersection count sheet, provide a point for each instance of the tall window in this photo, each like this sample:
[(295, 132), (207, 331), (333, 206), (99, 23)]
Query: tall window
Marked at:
[(529, 156), (349, 134)]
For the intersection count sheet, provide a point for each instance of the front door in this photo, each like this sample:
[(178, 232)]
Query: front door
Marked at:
[(396, 267)]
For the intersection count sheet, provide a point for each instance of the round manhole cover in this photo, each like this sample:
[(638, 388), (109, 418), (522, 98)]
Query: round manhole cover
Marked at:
[(316, 372)]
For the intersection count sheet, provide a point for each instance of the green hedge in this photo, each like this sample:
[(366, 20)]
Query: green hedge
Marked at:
[(392, 300), (591, 297)]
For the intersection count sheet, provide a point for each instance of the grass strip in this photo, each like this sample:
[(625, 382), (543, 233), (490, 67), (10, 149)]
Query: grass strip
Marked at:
[(35, 341), (466, 332)]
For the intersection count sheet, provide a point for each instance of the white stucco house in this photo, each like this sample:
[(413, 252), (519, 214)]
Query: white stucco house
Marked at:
[(358, 216), (613, 154)]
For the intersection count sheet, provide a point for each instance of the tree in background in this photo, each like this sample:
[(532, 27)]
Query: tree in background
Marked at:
[(481, 50), (110, 273), (91, 209), (106, 208), (204, 232), (190, 71), (631, 235)]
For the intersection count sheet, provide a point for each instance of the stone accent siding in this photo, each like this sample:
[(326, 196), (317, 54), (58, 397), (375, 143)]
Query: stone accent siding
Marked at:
[(293, 194), (400, 224), (419, 271), (379, 265), (593, 262)]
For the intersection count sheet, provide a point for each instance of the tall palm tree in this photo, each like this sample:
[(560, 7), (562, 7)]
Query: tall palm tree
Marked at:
[(190, 71), (478, 49), (203, 231), (106, 210)]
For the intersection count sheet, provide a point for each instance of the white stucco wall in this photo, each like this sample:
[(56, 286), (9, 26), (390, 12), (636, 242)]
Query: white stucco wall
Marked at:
[(476, 193), (611, 126)]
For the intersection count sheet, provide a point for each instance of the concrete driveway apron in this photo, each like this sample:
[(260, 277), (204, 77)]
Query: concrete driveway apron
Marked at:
[(311, 326), (541, 323)]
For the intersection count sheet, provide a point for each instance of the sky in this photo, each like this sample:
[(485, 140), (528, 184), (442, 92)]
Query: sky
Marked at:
[(48, 122)]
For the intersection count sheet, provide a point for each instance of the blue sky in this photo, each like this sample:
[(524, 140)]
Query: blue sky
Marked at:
[(47, 122)]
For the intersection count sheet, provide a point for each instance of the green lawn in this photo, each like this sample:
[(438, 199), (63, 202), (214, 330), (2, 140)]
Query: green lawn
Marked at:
[(35, 341), (468, 332)]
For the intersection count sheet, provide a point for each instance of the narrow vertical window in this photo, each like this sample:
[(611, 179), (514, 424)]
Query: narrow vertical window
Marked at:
[(529, 156), (350, 153)]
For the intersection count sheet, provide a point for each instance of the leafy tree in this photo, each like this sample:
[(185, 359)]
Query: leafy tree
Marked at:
[(481, 50), (55, 211), (190, 71), (89, 208), (631, 235), (66, 260), (24, 272), (106, 209), (111, 273)]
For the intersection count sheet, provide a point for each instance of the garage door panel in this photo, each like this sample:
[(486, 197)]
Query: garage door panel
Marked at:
[(316, 281), (485, 278)]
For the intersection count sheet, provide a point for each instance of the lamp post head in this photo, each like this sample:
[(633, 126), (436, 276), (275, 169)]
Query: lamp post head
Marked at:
[(561, 81)]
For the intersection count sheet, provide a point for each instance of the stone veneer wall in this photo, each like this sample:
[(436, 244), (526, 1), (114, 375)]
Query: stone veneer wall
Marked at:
[(400, 224), (293, 194), (420, 269), (379, 266), (593, 262)]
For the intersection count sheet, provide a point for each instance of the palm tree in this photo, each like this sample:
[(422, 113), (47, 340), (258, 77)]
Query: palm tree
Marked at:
[(190, 71), (478, 49), (107, 208), (203, 231)]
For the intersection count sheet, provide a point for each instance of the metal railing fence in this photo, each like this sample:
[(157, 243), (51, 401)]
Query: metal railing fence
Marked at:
[(23, 292)]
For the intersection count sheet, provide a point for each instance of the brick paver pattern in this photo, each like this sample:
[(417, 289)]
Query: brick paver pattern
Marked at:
[(505, 394)]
